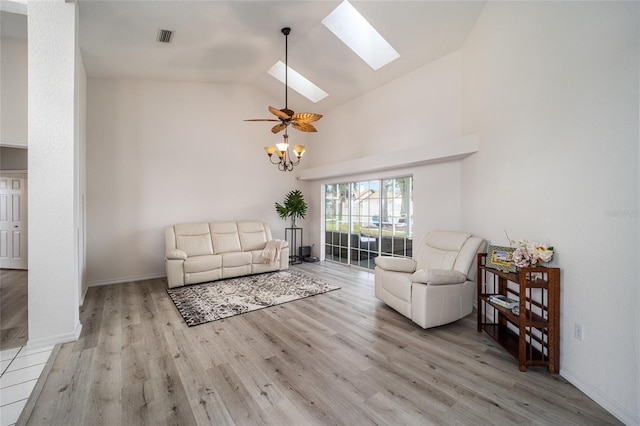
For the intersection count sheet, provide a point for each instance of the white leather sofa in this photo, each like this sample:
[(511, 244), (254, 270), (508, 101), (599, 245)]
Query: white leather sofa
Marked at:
[(208, 251), (435, 287)]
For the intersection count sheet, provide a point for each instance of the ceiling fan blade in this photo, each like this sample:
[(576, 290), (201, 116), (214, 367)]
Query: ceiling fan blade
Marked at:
[(261, 119), (306, 117), (279, 127), (279, 113), (303, 126)]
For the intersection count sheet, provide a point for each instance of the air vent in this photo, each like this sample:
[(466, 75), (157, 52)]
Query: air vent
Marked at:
[(164, 36)]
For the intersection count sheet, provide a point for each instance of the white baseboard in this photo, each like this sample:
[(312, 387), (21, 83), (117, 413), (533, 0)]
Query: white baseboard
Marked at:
[(99, 283), (83, 295), (621, 413), (55, 340), (14, 143)]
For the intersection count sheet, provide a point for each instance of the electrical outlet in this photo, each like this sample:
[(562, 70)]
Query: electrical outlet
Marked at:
[(578, 332)]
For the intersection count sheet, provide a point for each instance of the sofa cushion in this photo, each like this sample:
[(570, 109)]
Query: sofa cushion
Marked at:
[(256, 256), (231, 260), (253, 235), (236, 264), (193, 238), (202, 263), (438, 277), (257, 267), (225, 237)]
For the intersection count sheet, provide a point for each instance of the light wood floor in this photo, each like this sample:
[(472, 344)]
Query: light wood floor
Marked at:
[(13, 308), (340, 358)]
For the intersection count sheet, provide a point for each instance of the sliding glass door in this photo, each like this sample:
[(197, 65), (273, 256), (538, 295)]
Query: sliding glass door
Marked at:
[(367, 218), (337, 221)]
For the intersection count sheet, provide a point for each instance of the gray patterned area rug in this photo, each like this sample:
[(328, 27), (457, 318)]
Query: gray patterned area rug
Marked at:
[(202, 303)]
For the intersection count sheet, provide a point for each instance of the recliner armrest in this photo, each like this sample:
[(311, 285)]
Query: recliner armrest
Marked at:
[(396, 264), (175, 254), (438, 277)]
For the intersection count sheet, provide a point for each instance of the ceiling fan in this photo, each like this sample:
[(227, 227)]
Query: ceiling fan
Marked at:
[(300, 120)]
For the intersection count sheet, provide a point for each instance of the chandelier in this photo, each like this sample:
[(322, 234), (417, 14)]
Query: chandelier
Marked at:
[(285, 117), (284, 160)]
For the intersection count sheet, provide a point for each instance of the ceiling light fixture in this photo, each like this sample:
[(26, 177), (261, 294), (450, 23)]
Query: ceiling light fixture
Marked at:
[(284, 160), (300, 121)]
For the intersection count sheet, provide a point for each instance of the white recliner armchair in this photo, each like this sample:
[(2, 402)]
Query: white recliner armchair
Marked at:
[(435, 287)]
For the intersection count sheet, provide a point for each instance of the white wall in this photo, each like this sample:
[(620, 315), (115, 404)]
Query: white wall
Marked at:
[(81, 172), (160, 153), (552, 90), (419, 109), (422, 107), (52, 162), (13, 86)]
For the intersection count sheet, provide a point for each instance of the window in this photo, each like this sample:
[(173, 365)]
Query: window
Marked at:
[(367, 218), (336, 221), (356, 32)]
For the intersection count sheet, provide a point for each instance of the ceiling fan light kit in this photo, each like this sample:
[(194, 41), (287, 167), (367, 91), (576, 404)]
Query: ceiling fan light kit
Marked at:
[(284, 117), (284, 160)]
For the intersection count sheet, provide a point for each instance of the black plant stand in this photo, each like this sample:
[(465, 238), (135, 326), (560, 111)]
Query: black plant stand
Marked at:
[(294, 237)]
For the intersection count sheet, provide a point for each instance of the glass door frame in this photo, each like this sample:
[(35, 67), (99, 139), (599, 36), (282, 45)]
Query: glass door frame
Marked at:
[(343, 247)]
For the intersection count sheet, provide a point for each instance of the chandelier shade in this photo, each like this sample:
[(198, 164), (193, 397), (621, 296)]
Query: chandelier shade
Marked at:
[(285, 160)]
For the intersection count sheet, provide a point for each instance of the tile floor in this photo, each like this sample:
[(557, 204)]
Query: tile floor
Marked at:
[(20, 369)]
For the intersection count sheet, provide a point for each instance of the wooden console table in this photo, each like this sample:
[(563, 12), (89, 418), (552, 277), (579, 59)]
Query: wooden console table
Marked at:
[(532, 335)]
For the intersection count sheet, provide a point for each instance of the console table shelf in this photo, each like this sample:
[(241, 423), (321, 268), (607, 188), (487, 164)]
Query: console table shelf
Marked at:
[(532, 335)]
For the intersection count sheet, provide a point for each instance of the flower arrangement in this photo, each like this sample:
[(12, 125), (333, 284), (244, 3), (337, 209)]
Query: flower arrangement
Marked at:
[(531, 253)]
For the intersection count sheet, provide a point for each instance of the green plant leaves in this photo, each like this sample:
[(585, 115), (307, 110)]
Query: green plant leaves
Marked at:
[(294, 207), (283, 212)]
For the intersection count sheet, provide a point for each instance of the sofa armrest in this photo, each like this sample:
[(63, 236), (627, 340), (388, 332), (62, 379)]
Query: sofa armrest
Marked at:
[(438, 277), (175, 254), (396, 264)]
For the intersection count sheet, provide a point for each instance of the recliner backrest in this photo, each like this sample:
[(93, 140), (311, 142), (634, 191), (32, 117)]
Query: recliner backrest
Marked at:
[(439, 249), (192, 238), (253, 235), (468, 257), (449, 250), (225, 237)]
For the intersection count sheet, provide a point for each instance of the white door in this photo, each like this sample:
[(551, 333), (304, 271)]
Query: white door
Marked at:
[(13, 223)]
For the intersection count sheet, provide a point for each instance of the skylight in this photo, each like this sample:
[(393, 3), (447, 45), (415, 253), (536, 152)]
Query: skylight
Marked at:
[(356, 32), (298, 82)]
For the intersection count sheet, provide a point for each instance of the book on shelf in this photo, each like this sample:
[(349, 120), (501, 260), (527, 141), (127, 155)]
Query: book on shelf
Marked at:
[(503, 301)]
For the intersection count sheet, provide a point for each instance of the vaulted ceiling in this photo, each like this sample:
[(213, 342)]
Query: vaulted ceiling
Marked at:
[(239, 41)]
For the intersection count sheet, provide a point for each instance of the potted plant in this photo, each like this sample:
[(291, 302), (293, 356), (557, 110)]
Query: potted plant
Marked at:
[(294, 207)]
